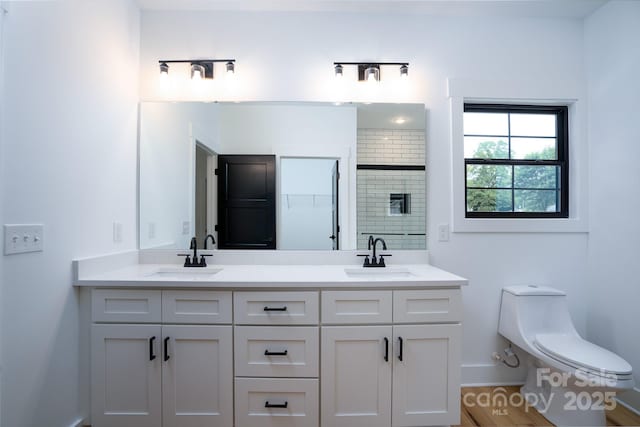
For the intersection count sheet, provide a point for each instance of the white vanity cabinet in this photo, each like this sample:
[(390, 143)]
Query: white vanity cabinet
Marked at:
[(161, 374), (278, 358), (401, 375)]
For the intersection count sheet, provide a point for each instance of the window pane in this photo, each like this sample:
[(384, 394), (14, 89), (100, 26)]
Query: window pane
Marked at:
[(536, 201), (485, 148), (533, 148), (486, 124), (488, 200), (533, 124), (488, 176), (536, 176)]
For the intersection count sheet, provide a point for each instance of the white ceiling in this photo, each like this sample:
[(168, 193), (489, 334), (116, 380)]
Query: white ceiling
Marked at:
[(515, 8)]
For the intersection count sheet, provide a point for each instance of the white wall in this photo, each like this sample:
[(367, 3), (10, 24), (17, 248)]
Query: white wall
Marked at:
[(613, 64), (2, 25), (69, 144), (168, 134), (289, 57)]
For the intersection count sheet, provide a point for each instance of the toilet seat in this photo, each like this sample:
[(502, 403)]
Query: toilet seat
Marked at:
[(573, 350)]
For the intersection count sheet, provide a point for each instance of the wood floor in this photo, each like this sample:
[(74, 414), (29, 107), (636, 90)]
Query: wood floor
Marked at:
[(479, 416)]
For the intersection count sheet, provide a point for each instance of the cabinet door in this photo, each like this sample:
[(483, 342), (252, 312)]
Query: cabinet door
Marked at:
[(356, 378), (126, 380), (197, 376), (426, 375)]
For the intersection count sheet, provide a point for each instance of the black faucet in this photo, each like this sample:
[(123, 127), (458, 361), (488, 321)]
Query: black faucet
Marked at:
[(188, 262), (375, 260), (194, 247), (206, 239), (384, 247)]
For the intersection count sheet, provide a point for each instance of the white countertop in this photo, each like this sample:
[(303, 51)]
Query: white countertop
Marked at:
[(405, 276)]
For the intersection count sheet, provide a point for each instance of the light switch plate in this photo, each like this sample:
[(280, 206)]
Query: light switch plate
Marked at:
[(186, 227), (117, 232), (443, 232), (22, 238)]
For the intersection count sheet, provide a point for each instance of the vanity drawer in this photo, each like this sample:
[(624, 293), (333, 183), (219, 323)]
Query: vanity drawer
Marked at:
[(437, 305), (345, 307), (281, 351), (126, 306), (275, 308), (295, 401), (196, 307)]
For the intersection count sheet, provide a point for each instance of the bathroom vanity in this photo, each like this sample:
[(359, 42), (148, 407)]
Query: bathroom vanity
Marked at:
[(273, 345)]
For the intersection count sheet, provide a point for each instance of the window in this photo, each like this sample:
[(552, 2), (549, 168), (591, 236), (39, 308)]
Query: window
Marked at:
[(516, 161)]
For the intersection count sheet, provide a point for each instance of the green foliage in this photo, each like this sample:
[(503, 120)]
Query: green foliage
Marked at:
[(487, 178)]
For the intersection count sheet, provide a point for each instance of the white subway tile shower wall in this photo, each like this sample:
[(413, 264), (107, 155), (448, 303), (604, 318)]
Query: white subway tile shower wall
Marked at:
[(391, 147)]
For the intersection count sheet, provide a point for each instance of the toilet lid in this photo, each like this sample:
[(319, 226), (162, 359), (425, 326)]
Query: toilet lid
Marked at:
[(576, 351)]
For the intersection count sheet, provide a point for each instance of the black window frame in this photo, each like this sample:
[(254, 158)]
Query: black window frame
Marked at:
[(562, 161)]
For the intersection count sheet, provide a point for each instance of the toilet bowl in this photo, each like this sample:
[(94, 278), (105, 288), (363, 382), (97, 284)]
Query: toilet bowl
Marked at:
[(569, 380)]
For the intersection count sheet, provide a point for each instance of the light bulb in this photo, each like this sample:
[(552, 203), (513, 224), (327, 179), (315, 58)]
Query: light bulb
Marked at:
[(404, 71), (231, 68), (197, 72), (373, 74), (338, 70)]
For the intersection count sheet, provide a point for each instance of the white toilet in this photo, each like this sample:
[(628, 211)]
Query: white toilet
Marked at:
[(570, 380)]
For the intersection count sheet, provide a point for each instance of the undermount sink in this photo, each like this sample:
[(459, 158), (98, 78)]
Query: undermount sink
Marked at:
[(382, 273), (184, 273)]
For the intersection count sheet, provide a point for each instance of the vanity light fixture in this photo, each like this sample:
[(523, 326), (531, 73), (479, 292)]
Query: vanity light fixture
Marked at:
[(370, 71), (231, 67), (338, 70), (164, 69), (404, 71), (197, 71), (200, 68)]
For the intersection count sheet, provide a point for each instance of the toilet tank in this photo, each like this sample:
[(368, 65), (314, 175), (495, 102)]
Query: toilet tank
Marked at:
[(529, 310)]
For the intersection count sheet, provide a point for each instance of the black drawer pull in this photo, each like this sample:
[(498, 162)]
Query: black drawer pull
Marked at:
[(275, 308), (276, 405), (166, 349), (400, 355), (276, 353), (386, 349), (152, 356)]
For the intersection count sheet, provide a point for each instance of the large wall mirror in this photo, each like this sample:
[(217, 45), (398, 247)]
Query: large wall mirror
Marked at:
[(279, 175)]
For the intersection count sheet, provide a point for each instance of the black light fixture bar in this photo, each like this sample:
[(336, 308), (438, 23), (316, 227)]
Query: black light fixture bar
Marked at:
[(371, 63), (193, 61), (207, 64), (364, 66)]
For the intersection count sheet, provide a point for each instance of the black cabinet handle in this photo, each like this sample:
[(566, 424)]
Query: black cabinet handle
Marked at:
[(166, 349), (276, 405), (275, 308), (152, 356), (276, 353), (400, 355), (386, 349)]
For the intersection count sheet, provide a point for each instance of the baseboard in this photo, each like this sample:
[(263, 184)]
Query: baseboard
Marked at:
[(479, 375), (630, 400)]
